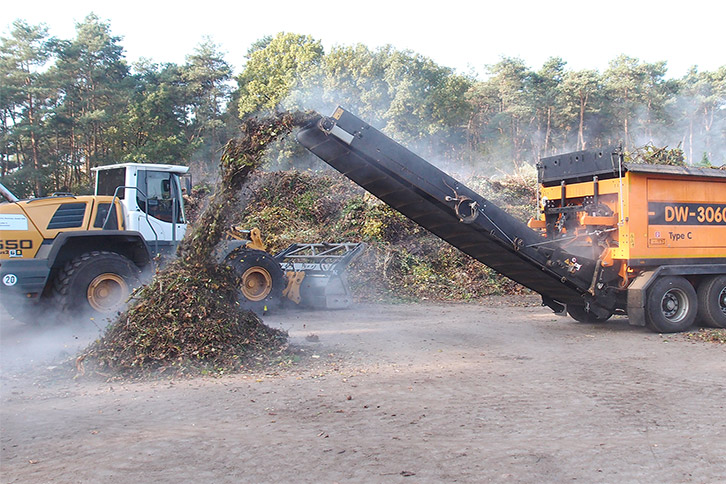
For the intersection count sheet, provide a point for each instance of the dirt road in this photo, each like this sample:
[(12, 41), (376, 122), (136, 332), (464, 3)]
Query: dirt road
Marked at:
[(499, 392)]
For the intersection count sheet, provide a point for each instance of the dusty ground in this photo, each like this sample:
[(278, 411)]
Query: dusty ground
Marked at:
[(501, 392)]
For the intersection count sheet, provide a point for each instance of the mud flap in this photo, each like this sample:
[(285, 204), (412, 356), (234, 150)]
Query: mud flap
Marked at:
[(637, 292)]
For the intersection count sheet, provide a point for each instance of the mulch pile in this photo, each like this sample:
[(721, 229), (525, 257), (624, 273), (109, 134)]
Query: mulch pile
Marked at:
[(187, 319), (402, 261)]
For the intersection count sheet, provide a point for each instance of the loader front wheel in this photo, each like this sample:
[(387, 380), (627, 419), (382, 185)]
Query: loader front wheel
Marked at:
[(712, 301), (259, 277), (671, 305), (98, 282)]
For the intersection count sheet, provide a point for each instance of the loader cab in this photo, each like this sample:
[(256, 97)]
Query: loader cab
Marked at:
[(151, 195)]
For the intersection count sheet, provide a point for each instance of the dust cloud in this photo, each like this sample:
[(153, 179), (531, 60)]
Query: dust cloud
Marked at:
[(36, 343)]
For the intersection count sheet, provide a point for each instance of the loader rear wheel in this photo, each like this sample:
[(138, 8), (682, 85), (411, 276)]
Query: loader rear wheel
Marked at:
[(712, 301), (98, 281), (260, 279), (105, 291), (671, 305), (582, 315)]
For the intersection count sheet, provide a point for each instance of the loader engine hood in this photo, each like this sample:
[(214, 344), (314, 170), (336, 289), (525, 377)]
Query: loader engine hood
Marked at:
[(25, 224)]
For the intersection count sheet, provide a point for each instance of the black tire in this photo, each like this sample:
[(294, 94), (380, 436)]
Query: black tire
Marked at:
[(712, 301), (582, 315), (97, 282), (671, 305), (259, 277)]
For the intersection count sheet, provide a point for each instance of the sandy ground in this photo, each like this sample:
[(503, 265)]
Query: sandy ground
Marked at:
[(498, 392)]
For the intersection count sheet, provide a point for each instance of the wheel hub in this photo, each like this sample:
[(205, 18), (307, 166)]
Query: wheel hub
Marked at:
[(106, 292), (671, 305), (722, 300), (674, 305), (256, 283)]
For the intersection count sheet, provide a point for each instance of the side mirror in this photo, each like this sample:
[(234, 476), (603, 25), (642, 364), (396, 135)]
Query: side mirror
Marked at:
[(186, 183)]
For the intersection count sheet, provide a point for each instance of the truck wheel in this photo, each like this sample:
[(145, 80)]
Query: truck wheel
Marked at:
[(99, 282), (712, 301), (581, 315), (671, 305), (260, 279)]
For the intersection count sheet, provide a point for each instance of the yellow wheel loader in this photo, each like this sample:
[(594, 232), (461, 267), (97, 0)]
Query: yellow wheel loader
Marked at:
[(85, 254)]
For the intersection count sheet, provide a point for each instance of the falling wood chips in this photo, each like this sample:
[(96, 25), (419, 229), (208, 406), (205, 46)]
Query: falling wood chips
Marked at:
[(187, 319)]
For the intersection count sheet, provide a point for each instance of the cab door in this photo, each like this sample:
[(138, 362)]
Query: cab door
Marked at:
[(159, 213)]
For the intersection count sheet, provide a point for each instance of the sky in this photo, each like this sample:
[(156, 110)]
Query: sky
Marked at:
[(464, 35)]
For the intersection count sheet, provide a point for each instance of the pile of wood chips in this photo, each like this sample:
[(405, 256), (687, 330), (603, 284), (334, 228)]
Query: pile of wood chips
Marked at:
[(187, 319)]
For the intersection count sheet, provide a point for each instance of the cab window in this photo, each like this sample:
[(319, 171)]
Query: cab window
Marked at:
[(156, 195), (109, 180)]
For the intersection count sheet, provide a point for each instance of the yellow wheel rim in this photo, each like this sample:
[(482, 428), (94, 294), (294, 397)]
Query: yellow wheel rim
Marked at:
[(256, 284), (107, 291)]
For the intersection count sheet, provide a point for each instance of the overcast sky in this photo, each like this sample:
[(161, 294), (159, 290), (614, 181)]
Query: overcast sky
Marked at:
[(465, 36)]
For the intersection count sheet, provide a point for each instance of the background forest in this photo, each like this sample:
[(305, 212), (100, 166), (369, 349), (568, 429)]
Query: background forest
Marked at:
[(69, 105)]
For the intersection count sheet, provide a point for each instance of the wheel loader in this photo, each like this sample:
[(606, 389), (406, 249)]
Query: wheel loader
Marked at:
[(611, 237), (85, 254)]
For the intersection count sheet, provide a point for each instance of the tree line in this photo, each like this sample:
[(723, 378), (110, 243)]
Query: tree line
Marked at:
[(69, 105)]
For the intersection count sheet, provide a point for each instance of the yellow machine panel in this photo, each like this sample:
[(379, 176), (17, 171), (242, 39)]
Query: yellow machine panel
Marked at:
[(19, 238), (25, 224)]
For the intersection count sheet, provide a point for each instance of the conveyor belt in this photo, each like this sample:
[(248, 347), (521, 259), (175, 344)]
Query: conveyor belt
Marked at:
[(419, 191)]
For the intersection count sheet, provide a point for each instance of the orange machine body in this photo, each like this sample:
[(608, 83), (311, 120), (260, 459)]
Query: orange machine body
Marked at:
[(655, 214)]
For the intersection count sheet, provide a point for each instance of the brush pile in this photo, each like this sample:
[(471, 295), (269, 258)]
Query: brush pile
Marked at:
[(402, 261), (654, 155), (187, 319)]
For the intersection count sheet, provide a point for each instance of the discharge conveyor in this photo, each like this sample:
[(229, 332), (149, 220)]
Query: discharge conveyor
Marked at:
[(453, 212)]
